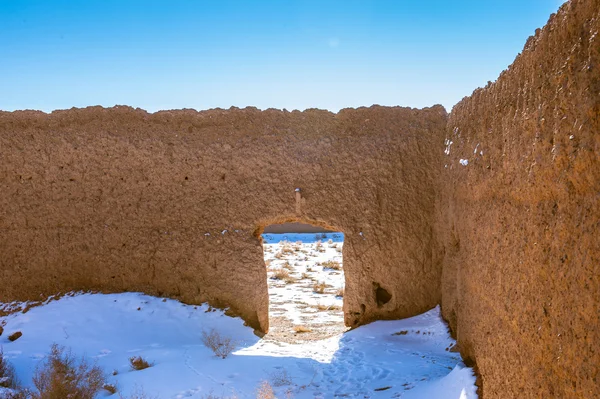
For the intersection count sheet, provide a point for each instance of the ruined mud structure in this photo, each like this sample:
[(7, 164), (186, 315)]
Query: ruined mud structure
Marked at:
[(492, 211)]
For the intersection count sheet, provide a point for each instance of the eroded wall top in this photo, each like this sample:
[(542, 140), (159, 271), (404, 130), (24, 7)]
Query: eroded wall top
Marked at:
[(169, 203)]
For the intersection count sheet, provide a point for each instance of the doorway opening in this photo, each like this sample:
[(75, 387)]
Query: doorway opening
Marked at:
[(305, 276)]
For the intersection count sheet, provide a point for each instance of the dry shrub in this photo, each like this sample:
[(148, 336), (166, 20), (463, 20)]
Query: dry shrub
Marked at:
[(280, 274), (302, 329), (319, 287), (281, 378), (287, 265), (340, 292), (283, 274), (290, 280), (332, 264), (265, 391), (279, 255), (110, 388), (138, 394), (304, 276), (8, 378), (139, 363), (62, 376), (221, 345)]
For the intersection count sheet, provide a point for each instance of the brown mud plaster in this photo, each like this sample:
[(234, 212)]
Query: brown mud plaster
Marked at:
[(502, 228), (173, 203), (519, 225)]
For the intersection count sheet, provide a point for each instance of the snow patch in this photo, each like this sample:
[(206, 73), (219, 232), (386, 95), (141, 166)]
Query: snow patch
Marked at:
[(448, 144), (409, 355)]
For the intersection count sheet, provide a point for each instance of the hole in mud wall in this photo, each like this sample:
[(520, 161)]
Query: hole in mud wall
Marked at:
[(382, 296), (305, 276)]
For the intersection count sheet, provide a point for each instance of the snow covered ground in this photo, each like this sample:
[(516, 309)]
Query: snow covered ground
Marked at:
[(408, 356), (405, 359), (311, 262)]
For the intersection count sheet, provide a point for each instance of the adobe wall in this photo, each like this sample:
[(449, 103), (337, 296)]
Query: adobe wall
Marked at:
[(519, 225), (172, 203)]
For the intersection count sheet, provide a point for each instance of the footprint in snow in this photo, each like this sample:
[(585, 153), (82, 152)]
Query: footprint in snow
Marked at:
[(103, 353), (12, 354)]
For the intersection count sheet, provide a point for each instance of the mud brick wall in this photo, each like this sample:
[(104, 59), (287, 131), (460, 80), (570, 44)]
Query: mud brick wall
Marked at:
[(520, 217), (172, 203)]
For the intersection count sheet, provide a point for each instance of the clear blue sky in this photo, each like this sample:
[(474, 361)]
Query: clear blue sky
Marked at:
[(283, 54)]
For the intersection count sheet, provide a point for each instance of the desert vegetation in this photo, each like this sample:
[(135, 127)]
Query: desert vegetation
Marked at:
[(220, 344), (139, 363), (300, 284), (8, 379)]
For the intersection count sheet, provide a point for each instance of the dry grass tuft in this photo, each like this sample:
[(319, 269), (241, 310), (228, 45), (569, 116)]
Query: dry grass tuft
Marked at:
[(265, 391), (139, 394), (281, 378), (280, 274), (287, 265), (287, 249), (62, 376), (302, 329), (283, 274), (110, 388), (319, 287), (332, 264), (322, 308), (319, 246), (221, 345), (139, 363), (340, 292)]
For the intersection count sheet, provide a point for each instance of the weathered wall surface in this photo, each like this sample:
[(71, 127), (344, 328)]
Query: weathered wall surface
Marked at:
[(171, 203), (519, 225)]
